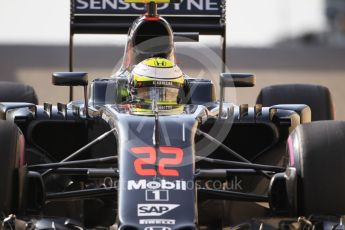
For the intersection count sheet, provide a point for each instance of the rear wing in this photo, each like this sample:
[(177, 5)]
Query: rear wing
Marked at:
[(206, 17), (115, 16)]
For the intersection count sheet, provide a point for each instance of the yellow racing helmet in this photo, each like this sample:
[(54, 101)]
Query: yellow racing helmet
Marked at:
[(156, 79)]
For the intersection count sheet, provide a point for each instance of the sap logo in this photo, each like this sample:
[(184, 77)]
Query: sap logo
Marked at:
[(155, 209), (157, 228)]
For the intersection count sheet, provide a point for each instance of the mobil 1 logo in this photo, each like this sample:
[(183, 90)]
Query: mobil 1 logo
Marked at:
[(157, 195)]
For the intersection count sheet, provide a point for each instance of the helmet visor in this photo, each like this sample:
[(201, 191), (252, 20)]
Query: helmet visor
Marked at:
[(160, 94)]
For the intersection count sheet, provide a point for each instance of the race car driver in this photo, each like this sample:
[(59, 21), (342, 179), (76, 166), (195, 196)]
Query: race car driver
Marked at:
[(155, 80)]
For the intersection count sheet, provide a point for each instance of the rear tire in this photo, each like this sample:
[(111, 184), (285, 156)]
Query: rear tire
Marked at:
[(317, 97), (318, 154), (17, 92), (11, 148)]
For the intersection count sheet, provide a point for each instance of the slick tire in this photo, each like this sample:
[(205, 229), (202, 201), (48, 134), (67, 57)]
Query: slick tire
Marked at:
[(318, 155), (317, 97), (11, 151), (17, 92)]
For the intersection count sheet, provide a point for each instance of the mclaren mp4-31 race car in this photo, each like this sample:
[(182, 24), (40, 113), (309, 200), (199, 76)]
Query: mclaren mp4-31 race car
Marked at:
[(152, 148)]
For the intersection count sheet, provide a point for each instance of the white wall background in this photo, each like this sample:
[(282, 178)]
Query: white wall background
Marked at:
[(264, 22), (251, 22)]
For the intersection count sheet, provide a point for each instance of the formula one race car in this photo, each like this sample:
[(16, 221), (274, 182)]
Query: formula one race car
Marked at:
[(151, 148)]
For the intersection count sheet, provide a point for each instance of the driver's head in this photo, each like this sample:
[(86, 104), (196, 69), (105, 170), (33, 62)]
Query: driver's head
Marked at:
[(156, 79)]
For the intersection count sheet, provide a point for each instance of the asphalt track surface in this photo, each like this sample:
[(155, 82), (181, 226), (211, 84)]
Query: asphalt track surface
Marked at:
[(289, 64)]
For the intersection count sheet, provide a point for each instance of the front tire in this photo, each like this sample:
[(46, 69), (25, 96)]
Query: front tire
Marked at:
[(11, 157), (317, 153)]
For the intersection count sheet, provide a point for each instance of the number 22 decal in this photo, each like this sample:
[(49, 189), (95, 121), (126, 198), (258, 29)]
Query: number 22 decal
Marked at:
[(151, 158)]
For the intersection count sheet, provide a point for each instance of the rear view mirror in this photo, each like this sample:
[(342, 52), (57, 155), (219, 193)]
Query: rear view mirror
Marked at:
[(70, 78), (73, 79), (233, 80), (237, 80)]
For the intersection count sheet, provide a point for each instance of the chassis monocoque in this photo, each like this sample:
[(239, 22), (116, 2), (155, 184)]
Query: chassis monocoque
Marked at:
[(202, 164)]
